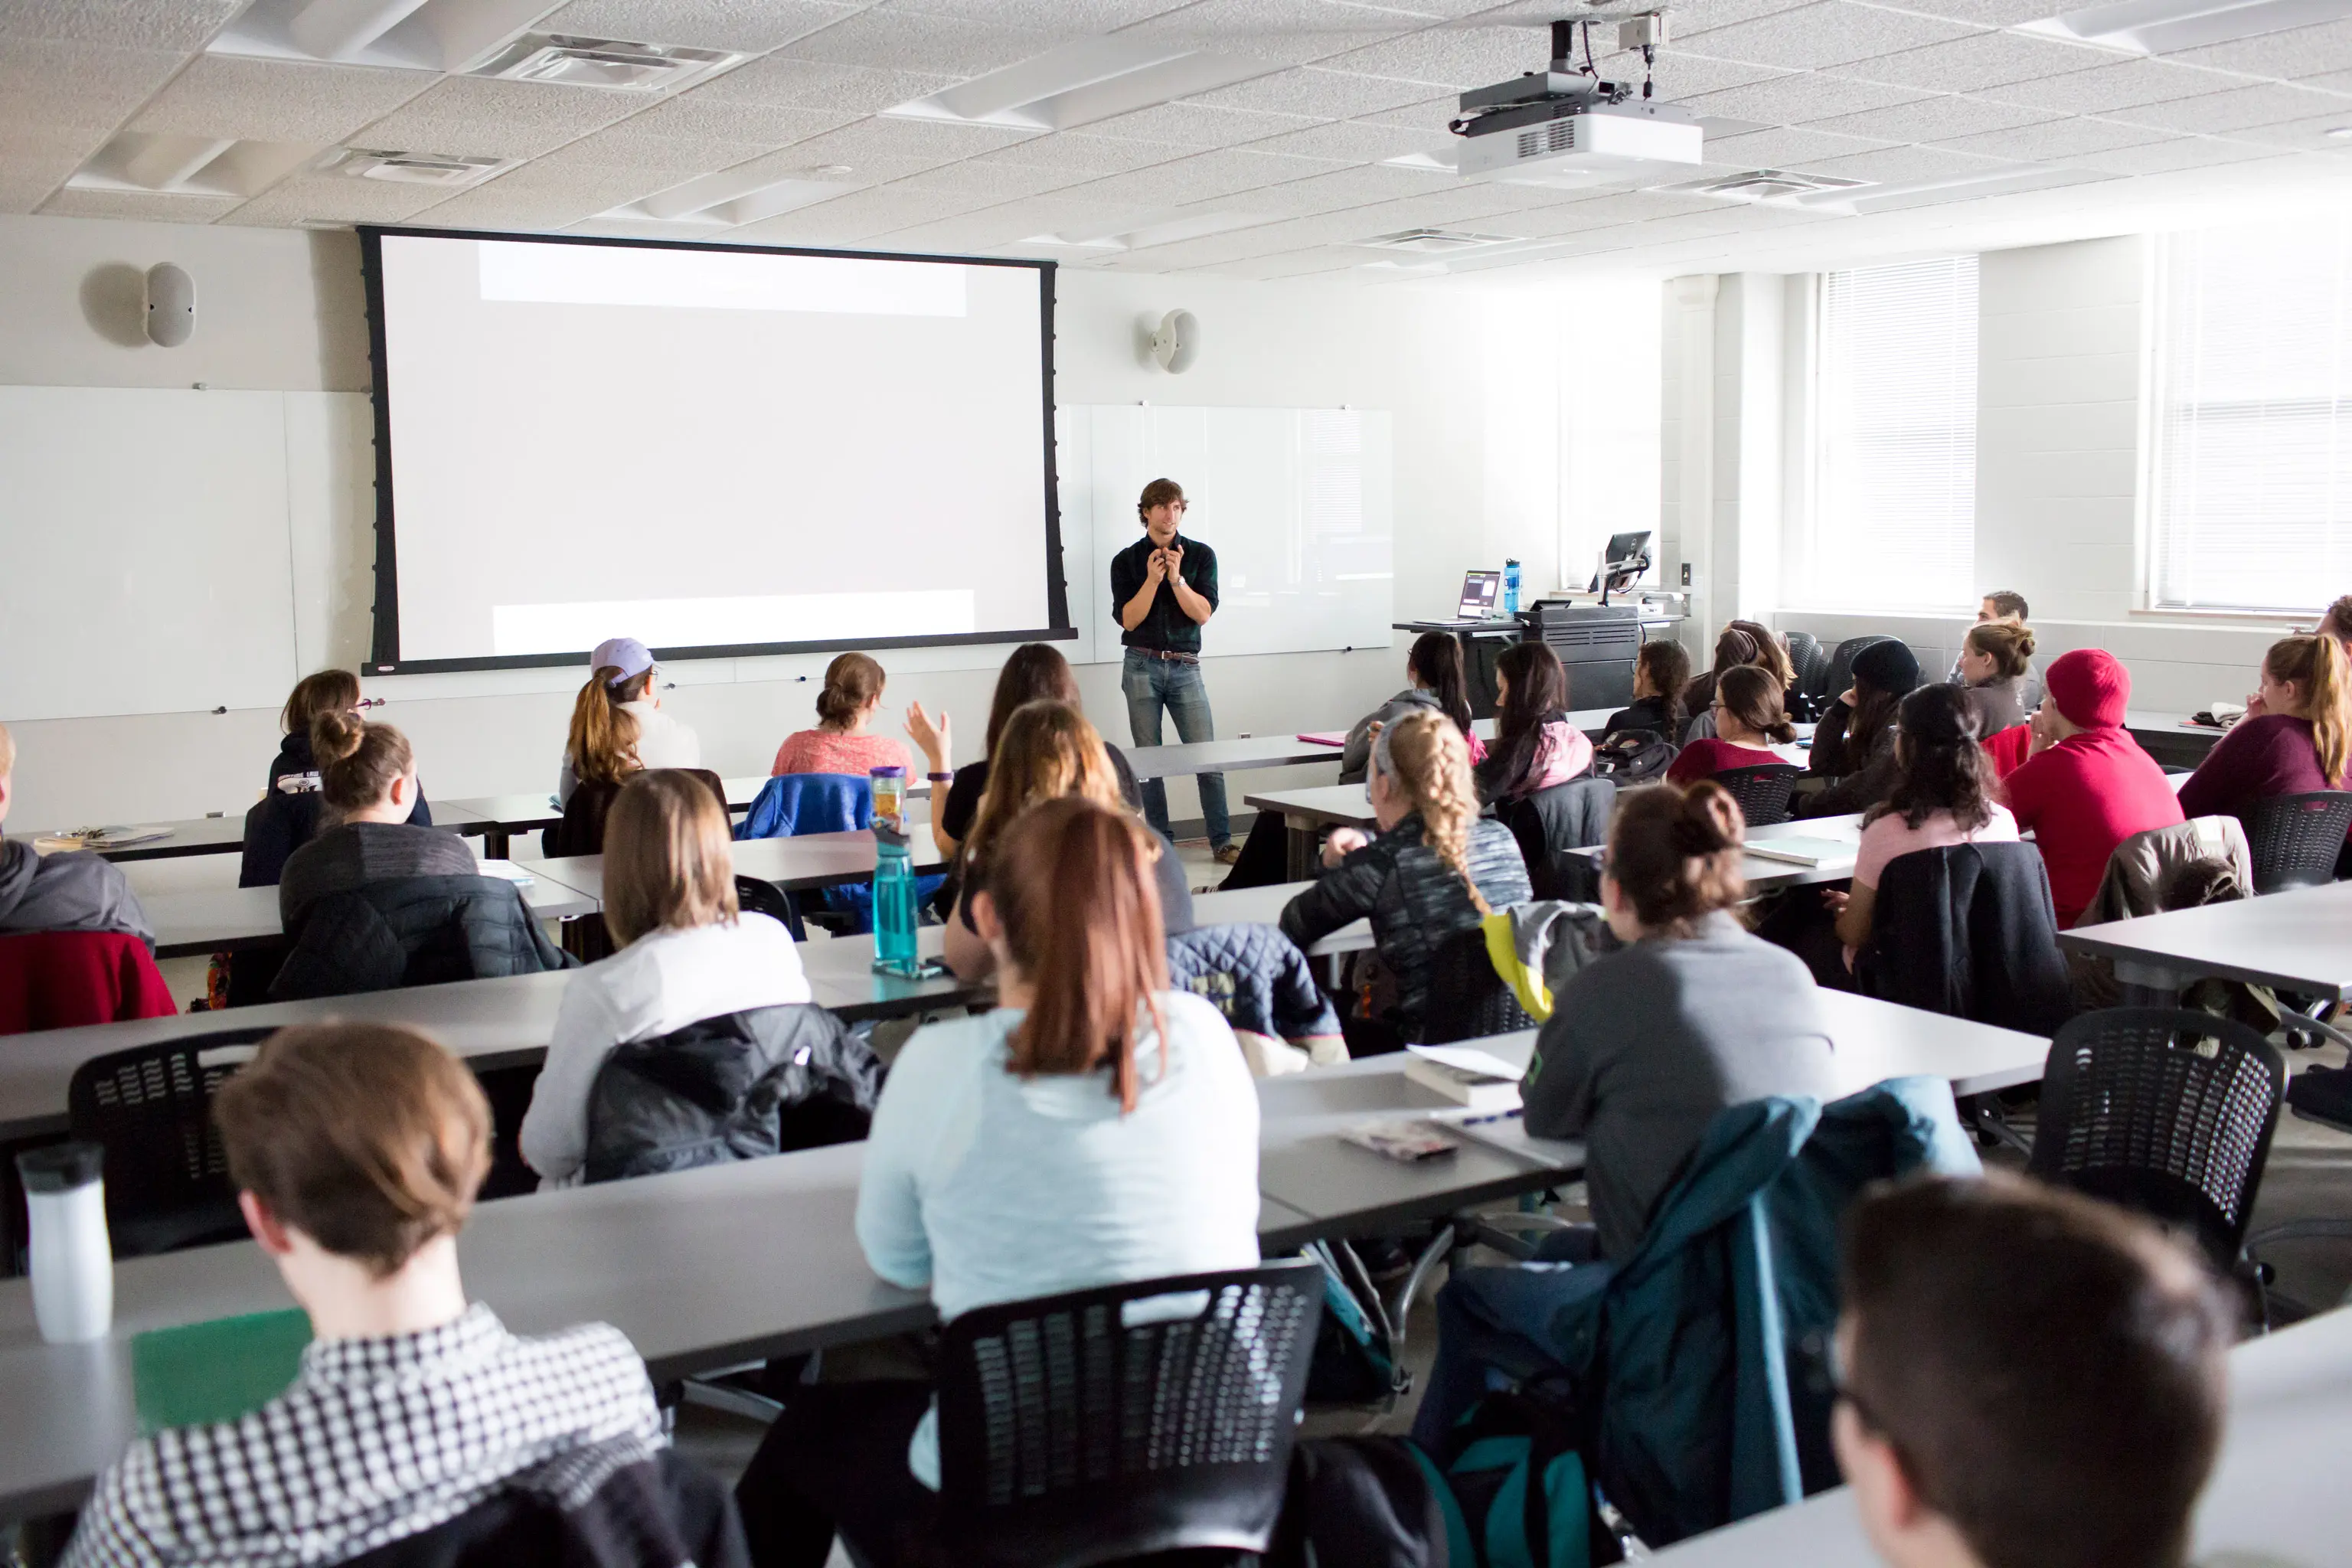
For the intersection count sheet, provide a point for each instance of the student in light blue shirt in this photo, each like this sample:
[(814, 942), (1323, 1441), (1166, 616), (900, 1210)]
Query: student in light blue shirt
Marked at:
[(1096, 1128)]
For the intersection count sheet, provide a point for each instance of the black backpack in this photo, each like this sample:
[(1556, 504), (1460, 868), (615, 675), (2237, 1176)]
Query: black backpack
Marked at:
[(1633, 757)]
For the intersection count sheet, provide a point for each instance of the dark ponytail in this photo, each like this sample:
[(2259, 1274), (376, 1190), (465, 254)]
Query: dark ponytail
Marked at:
[(1942, 766), (1753, 695), (1436, 660), (1675, 853), (357, 761), (1668, 667)]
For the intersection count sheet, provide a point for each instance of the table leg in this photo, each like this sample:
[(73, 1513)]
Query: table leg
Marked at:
[(494, 843), (1300, 841), (2147, 984)]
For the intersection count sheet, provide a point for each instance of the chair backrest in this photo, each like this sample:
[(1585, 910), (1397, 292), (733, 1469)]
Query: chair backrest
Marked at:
[(1762, 791), (2135, 871), (65, 979), (2163, 1110), (151, 1108), (608, 1504), (1552, 822), (582, 831), (793, 804), (1124, 1420), (1466, 998), (276, 825), (755, 897), (1811, 662), (2296, 838), (1841, 670), (1968, 931)]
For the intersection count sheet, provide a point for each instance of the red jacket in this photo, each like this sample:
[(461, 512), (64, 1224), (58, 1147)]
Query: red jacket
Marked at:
[(63, 979), (2080, 799)]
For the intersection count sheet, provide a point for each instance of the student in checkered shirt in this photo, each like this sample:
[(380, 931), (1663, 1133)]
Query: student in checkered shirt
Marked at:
[(357, 1150)]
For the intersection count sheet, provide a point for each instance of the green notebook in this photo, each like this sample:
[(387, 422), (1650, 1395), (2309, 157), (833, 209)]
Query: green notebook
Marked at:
[(215, 1370)]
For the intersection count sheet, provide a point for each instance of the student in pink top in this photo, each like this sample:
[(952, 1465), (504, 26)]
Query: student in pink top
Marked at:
[(843, 741), (1943, 796), (1749, 718)]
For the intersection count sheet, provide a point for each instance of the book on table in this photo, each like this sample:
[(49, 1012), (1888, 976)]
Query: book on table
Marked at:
[(1469, 1077), (100, 839), (1804, 851)]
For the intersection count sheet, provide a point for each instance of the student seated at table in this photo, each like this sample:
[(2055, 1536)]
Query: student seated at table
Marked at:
[(367, 779), (1943, 795), (70, 890), (357, 1150), (1432, 683), (1661, 671), (617, 722), (1853, 744), (843, 741), (686, 953), (1046, 751), (1096, 1128), (2003, 609), (1536, 745), (1036, 672), (293, 783), (2294, 739), (1996, 660), (1735, 647), (1435, 867), (2025, 1377), (2087, 786), (1748, 720)]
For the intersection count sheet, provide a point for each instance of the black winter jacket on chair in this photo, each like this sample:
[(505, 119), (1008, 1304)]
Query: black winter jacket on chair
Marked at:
[(1551, 822), (413, 931), (1969, 932), (741, 1085)]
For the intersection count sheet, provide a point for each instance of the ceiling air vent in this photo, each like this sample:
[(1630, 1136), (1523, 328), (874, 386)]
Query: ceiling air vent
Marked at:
[(1767, 185), (1433, 241), (417, 168), (570, 61)]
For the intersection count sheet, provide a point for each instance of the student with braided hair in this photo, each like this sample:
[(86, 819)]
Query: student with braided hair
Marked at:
[(1434, 867)]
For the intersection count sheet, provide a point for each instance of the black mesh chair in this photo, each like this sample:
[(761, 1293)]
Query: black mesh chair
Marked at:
[(1762, 792), (150, 1108), (1466, 999), (1810, 661), (1841, 669), (757, 898), (2166, 1111), (1124, 1421), (2296, 838)]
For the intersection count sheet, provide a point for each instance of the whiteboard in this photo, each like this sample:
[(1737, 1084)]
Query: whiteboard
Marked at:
[(1298, 504), (148, 544)]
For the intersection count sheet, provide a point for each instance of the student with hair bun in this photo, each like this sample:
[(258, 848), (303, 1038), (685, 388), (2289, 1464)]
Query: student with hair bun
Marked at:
[(617, 722), (1750, 719), (1996, 661), (2294, 739), (1434, 867), (367, 779), (843, 741)]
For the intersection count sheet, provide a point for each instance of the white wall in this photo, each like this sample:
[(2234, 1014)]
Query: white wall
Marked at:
[(1483, 432)]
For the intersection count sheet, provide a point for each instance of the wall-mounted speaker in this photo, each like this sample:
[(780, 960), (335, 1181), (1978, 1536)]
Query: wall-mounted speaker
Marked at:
[(171, 305)]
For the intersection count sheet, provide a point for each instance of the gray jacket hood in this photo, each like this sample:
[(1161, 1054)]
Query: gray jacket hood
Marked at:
[(73, 891)]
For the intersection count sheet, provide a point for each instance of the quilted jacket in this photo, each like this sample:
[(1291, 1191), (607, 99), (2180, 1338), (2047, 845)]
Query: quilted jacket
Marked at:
[(1259, 980), (413, 931)]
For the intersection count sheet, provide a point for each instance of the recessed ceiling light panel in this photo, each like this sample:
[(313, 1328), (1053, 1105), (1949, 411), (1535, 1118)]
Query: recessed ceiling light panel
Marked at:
[(569, 59), (1434, 241), (1085, 81), (171, 166), (442, 169), (2162, 26)]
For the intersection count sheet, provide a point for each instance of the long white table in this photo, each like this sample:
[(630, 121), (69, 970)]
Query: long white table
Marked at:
[(211, 920), (710, 1267), (2298, 941), (2277, 1495), (223, 832), (798, 864)]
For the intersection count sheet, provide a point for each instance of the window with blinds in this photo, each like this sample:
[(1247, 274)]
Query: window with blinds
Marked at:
[(2252, 483), (1896, 447)]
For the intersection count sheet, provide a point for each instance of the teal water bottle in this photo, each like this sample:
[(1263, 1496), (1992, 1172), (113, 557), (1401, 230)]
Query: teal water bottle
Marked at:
[(1510, 587), (893, 903)]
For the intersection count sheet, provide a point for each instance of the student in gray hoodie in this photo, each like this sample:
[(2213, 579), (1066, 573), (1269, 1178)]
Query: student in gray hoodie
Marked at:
[(67, 891), (1433, 681)]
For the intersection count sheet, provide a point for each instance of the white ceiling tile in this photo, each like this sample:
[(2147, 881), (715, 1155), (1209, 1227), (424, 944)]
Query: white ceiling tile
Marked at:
[(335, 198), (1205, 176), (1297, 263), (1985, 13), (1689, 15), (75, 84), (1835, 32), (2306, 135), (1312, 91), (1285, 32), (2298, 52), (1454, 57), (2105, 88), (675, 156), (2163, 157), (909, 41), (466, 114), (1902, 165), (862, 214), (1978, 61), (1934, 120), (813, 84), (883, 149), (730, 119), (1799, 96), (1357, 140), (1549, 223), (1082, 156), (1422, 111), (24, 192), (2264, 103), (150, 206), (2055, 140), (751, 26), (1070, 18), (2330, 81), (277, 101), (1196, 125), (1354, 187), (995, 181), (1786, 147), (126, 24)]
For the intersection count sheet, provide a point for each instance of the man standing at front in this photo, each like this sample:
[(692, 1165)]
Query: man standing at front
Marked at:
[(1163, 589)]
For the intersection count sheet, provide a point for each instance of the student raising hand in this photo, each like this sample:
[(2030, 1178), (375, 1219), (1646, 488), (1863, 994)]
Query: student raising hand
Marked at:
[(935, 740)]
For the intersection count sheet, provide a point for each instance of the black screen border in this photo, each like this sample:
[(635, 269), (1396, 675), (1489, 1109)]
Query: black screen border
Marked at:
[(384, 647)]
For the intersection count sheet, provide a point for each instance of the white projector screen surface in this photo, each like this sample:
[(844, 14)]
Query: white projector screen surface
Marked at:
[(707, 449)]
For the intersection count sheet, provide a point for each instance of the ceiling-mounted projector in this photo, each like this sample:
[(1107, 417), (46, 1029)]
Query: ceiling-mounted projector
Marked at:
[(1567, 118)]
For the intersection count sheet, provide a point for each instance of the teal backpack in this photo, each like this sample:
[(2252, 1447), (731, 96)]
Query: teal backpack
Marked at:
[(1514, 1491)]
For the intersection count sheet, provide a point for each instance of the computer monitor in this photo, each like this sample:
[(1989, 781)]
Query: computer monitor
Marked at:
[(1623, 561), (1479, 591)]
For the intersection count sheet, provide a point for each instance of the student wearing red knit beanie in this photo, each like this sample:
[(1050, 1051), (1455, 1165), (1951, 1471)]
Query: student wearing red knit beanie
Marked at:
[(2087, 786)]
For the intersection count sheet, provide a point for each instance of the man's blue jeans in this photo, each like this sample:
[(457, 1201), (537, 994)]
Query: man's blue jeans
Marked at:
[(1150, 684)]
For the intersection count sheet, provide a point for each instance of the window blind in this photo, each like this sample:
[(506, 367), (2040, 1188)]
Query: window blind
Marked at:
[(1896, 499), (2252, 504)]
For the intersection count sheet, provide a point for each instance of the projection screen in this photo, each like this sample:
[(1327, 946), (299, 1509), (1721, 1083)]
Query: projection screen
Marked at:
[(718, 451)]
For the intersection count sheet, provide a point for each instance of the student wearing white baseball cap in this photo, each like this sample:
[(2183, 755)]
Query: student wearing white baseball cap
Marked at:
[(617, 724)]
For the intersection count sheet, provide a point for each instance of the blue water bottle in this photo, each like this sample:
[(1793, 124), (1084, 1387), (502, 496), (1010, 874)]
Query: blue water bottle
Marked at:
[(894, 876), (1510, 587)]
